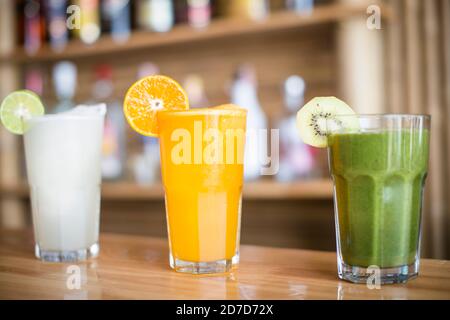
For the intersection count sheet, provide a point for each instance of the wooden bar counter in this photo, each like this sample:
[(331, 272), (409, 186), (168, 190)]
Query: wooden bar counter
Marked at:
[(131, 267)]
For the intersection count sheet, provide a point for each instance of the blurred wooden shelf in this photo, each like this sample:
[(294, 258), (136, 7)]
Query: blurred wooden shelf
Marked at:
[(270, 190), (181, 34), (306, 189), (14, 191), (260, 190)]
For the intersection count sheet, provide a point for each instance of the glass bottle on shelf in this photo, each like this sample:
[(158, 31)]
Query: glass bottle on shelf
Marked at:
[(199, 13), (114, 137), (297, 160), (65, 84), (89, 30), (116, 19), (146, 164), (253, 9), (146, 69), (56, 23), (181, 11), (300, 6), (34, 30), (34, 80), (244, 94), (155, 15), (195, 89)]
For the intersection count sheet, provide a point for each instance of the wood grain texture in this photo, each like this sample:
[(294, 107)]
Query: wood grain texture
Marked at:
[(137, 268)]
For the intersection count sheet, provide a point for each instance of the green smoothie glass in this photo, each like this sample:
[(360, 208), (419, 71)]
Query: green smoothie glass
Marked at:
[(379, 169)]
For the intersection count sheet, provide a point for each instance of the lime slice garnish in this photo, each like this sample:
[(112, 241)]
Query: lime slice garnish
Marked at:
[(18, 107)]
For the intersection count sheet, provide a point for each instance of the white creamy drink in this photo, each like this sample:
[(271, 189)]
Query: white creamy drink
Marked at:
[(63, 158)]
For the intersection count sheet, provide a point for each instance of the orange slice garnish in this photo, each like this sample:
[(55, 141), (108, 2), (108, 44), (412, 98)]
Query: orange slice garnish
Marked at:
[(147, 97)]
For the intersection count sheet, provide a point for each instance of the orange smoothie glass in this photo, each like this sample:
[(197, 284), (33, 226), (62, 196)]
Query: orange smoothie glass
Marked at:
[(202, 154)]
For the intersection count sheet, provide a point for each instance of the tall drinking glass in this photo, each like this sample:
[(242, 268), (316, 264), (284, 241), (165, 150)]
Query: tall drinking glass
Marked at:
[(379, 172), (63, 153), (201, 161)]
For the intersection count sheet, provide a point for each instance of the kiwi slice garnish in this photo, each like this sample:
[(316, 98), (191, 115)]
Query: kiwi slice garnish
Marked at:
[(312, 120)]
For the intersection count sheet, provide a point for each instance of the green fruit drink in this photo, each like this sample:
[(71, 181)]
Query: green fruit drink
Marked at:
[(379, 164), (378, 181)]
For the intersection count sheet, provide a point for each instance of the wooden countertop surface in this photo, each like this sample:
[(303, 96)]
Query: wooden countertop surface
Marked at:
[(131, 267)]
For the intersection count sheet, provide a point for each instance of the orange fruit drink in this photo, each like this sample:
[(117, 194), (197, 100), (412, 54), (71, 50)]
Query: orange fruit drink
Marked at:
[(202, 152)]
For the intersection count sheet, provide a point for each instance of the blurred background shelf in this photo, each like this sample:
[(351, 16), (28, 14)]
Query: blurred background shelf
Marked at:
[(320, 189), (399, 66), (270, 190), (219, 28), (306, 190)]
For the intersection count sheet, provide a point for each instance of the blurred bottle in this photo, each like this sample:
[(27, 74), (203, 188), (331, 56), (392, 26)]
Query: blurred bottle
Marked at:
[(65, 84), (244, 94), (116, 19), (89, 30), (250, 9), (114, 137), (146, 69), (199, 13), (300, 6), (155, 15), (55, 11), (34, 26), (34, 80), (181, 11), (195, 89), (146, 165), (297, 160)]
